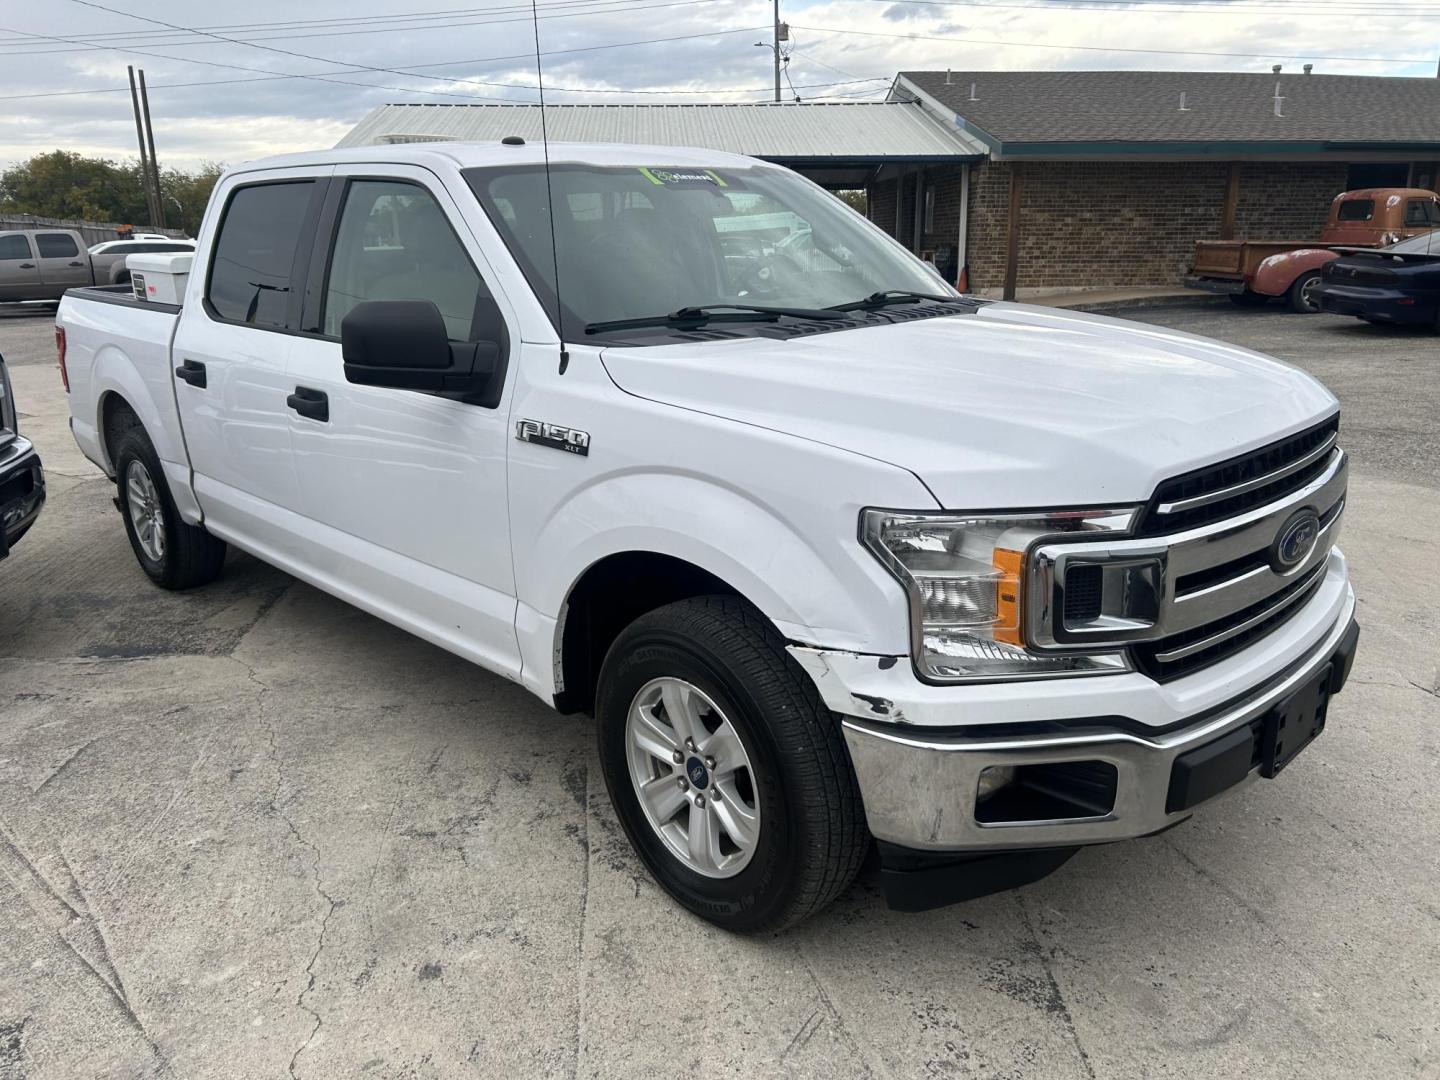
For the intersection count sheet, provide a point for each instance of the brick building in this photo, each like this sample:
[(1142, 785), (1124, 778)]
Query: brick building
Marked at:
[(1102, 179), (1039, 181)]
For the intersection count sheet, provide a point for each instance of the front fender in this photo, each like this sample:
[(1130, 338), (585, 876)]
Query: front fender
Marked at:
[(1275, 275), (810, 586)]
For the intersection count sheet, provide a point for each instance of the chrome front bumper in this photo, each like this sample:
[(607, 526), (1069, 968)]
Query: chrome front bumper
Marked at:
[(919, 789)]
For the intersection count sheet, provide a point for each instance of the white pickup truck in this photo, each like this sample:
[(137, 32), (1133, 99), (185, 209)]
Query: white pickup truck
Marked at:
[(839, 559)]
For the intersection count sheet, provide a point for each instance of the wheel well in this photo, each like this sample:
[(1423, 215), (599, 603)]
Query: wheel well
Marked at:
[(609, 596), (116, 416)]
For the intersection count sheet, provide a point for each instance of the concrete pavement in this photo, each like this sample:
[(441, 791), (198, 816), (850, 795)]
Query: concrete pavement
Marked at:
[(250, 831)]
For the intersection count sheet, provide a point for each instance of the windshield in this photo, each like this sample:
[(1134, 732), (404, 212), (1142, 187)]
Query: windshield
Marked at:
[(636, 242)]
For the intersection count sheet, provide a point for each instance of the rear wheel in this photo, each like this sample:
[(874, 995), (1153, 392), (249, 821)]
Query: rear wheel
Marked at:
[(1304, 296), (173, 554), (1248, 299), (726, 770)]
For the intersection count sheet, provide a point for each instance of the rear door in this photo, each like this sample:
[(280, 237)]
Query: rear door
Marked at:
[(64, 264), (19, 272), (232, 348)]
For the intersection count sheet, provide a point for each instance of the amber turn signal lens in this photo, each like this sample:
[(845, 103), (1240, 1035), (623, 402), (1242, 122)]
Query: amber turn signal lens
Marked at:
[(1007, 601)]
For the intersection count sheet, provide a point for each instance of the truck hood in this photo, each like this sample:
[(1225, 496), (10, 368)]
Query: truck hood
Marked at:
[(1013, 406)]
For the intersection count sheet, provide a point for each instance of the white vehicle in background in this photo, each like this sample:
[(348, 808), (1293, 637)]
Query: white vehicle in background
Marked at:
[(110, 258), (837, 557)]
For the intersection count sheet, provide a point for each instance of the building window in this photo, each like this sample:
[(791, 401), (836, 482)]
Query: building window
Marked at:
[(929, 209)]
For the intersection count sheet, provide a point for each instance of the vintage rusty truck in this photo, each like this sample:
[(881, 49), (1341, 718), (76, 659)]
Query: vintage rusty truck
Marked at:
[(1253, 272)]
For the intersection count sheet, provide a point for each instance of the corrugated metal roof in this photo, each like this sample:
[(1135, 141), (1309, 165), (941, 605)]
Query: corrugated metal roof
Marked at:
[(823, 131)]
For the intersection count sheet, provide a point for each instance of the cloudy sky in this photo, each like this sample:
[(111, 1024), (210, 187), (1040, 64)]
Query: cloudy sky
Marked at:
[(226, 79)]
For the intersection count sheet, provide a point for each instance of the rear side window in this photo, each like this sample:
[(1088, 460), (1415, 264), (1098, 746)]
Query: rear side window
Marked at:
[(55, 245), (14, 246), (1422, 212), (254, 256), (1356, 210)]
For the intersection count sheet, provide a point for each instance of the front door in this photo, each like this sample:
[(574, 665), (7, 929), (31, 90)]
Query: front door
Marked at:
[(62, 264), (408, 488), (231, 351), (19, 272)]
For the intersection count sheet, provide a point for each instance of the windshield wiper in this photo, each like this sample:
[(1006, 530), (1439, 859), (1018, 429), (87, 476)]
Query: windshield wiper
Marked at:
[(689, 317), (887, 297)]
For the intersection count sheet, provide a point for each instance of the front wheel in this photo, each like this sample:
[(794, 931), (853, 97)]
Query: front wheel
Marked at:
[(173, 554), (726, 770), (1304, 294)]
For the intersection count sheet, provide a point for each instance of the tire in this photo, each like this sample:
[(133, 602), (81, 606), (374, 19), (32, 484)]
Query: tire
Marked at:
[(1249, 299), (185, 555), (810, 837), (1301, 294)]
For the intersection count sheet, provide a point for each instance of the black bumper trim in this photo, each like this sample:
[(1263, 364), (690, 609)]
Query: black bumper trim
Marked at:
[(919, 880)]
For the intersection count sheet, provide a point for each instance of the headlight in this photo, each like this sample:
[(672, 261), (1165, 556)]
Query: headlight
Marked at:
[(966, 578)]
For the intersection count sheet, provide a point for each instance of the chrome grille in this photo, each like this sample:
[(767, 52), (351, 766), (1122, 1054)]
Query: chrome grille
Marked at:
[(1194, 596), (1221, 491)]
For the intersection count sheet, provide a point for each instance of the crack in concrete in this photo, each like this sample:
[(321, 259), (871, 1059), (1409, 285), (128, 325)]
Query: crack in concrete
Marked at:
[(584, 911), (330, 902), (64, 765), (67, 922), (1062, 1006), (841, 1031)]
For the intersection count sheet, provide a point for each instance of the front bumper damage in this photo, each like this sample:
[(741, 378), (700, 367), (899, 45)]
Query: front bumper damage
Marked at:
[(1114, 774)]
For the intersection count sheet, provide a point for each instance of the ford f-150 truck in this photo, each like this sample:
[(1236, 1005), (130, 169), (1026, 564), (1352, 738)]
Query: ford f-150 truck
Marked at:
[(839, 559)]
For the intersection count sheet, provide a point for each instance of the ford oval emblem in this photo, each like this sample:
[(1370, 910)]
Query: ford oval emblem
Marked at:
[(696, 771), (1295, 541)]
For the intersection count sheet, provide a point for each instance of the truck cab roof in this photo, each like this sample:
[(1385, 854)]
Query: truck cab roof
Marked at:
[(469, 155)]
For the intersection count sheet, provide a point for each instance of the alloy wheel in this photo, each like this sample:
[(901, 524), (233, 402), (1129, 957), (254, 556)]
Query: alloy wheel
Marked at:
[(693, 777)]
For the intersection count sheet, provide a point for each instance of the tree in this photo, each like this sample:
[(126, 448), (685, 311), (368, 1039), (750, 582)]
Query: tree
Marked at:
[(65, 185), (854, 199)]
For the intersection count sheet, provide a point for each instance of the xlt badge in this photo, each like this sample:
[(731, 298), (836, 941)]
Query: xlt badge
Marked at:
[(571, 440)]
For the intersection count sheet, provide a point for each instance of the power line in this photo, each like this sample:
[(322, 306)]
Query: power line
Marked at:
[(270, 76), (451, 63), (1116, 49), (1180, 7), (171, 40), (404, 73)]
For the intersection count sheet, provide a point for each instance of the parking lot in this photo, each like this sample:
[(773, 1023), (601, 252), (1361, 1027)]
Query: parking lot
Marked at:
[(252, 832)]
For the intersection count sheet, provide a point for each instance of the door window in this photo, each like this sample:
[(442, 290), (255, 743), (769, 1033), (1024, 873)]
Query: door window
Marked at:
[(14, 246), (55, 245), (255, 253), (394, 242)]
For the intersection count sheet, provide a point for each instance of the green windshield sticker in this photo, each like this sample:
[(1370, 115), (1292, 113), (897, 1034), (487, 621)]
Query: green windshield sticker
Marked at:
[(683, 177)]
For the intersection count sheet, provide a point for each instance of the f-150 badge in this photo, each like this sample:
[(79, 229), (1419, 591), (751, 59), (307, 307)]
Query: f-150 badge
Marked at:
[(571, 440)]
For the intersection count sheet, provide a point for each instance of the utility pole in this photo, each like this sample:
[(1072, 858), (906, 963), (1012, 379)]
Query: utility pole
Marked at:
[(150, 200), (154, 162), (777, 50)]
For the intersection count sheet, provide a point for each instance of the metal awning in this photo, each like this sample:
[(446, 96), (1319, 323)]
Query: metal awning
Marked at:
[(836, 143)]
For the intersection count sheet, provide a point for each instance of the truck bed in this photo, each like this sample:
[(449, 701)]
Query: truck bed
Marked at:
[(1238, 259), (116, 343)]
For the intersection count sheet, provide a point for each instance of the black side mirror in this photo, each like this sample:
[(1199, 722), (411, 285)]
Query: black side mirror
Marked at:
[(403, 344)]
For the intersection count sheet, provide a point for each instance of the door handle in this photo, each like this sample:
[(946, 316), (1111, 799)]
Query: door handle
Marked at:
[(192, 372), (77, 264), (314, 404), (27, 266)]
